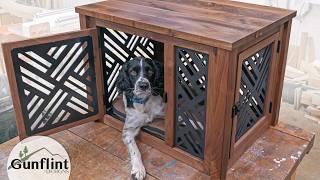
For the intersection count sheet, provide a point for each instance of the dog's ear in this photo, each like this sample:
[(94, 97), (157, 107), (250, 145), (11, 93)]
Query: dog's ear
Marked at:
[(159, 74), (123, 82)]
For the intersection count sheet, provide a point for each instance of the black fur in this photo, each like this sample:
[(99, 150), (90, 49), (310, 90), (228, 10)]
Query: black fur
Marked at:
[(158, 82)]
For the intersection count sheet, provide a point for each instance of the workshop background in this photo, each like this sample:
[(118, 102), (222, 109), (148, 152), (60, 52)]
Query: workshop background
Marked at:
[(20, 19)]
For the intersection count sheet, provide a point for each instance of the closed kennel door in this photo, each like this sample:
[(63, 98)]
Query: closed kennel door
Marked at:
[(253, 105), (55, 81)]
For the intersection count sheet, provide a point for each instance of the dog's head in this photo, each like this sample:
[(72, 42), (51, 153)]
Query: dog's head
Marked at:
[(141, 77)]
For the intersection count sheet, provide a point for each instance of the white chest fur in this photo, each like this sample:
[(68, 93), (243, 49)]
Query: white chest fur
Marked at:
[(142, 114)]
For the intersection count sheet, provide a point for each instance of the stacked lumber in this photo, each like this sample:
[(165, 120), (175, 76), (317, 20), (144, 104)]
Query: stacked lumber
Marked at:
[(311, 100), (302, 78)]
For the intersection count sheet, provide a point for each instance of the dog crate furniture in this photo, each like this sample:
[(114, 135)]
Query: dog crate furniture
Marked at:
[(224, 65)]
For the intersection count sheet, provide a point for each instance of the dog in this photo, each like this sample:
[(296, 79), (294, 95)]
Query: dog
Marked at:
[(141, 83)]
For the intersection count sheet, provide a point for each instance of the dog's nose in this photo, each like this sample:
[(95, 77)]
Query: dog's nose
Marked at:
[(143, 85)]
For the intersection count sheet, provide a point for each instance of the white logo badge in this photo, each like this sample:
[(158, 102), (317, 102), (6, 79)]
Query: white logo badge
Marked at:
[(38, 157)]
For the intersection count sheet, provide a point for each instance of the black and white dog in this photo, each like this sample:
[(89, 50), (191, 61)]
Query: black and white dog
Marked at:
[(141, 82)]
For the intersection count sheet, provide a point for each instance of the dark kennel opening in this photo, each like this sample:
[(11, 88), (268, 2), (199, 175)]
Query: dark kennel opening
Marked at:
[(118, 47)]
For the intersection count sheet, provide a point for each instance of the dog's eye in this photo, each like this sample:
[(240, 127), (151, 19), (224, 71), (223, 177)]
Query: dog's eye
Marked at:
[(133, 73)]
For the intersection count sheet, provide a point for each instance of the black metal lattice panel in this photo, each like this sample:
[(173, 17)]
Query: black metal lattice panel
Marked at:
[(119, 47), (253, 89), (191, 83), (56, 83)]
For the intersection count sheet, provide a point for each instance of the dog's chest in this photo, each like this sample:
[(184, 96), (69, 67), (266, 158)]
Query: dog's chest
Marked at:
[(145, 113), (154, 105)]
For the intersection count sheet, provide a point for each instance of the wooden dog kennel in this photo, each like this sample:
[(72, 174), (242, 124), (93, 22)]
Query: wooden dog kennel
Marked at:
[(224, 69)]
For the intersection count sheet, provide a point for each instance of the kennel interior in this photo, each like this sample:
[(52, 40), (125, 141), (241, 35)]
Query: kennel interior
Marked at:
[(118, 47), (223, 80)]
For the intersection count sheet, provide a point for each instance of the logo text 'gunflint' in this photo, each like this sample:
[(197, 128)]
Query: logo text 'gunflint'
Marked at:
[(39, 157)]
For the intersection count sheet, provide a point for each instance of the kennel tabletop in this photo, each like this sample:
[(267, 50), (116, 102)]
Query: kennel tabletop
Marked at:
[(223, 24)]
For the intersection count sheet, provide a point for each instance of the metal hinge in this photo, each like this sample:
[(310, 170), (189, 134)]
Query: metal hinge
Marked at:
[(270, 107), (100, 40), (104, 99), (165, 97), (278, 47), (235, 109)]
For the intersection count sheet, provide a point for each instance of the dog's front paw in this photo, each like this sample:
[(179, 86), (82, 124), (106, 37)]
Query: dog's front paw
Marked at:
[(138, 172)]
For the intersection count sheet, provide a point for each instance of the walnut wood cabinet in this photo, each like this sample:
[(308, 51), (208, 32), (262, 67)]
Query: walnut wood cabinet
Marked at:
[(224, 69)]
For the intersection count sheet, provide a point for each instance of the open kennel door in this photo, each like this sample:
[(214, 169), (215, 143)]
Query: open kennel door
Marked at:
[(55, 81)]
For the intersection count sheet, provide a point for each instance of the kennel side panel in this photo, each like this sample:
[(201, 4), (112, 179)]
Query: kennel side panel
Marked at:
[(191, 92)]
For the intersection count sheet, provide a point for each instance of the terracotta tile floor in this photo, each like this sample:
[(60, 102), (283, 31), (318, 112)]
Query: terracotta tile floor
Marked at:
[(97, 152)]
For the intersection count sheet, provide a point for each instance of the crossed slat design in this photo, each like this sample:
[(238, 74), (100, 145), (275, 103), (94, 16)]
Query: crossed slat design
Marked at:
[(191, 78), (253, 88), (56, 83), (117, 48)]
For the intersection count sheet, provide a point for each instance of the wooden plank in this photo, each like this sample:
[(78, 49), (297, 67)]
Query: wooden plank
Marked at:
[(163, 166), (101, 135), (295, 131), (230, 99), (275, 155), (87, 23), (169, 79), (233, 7), (194, 33), (293, 177), (215, 14), (179, 15), (281, 67), (215, 104), (157, 164), (160, 145), (85, 155), (215, 23), (107, 138)]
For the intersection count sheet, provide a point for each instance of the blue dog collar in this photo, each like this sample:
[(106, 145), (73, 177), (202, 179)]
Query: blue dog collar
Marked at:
[(139, 100)]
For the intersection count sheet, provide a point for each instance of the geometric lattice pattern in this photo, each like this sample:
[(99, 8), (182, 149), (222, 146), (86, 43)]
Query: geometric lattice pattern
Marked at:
[(191, 83), (253, 88), (119, 47), (56, 83)]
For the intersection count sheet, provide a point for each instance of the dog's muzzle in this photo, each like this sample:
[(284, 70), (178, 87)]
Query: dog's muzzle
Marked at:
[(142, 87)]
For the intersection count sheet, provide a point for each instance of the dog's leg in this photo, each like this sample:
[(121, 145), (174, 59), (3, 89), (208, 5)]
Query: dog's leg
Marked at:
[(128, 135)]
